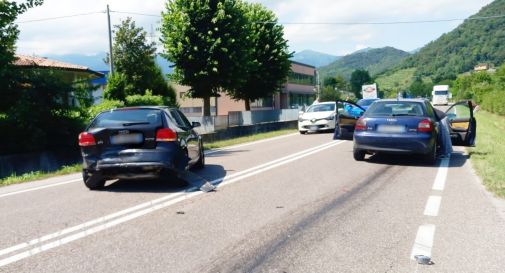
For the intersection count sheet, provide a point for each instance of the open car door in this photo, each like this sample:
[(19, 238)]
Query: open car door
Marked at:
[(347, 115), (463, 124)]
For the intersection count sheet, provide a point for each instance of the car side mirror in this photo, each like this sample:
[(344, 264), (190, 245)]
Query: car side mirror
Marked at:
[(196, 124)]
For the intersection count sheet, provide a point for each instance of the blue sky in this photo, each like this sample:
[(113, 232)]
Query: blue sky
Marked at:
[(87, 34)]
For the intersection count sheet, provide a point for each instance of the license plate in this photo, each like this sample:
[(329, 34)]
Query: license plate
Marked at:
[(313, 128), (126, 139), (390, 128)]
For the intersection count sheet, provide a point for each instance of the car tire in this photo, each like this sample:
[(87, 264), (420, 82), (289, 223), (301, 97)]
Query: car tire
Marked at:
[(200, 164), (93, 182), (431, 157), (303, 132), (359, 155)]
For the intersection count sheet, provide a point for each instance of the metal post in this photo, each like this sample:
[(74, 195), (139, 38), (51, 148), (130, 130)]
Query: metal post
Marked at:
[(111, 64)]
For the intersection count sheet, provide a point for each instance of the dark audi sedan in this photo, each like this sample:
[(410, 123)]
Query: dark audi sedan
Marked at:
[(411, 126), (139, 142)]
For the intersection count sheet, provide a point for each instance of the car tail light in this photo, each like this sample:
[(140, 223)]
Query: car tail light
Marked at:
[(166, 134), (86, 139), (360, 125), (425, 126)]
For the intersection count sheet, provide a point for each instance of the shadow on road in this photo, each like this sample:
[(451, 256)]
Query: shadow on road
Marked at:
[(219, 153), (458, 159), (169, 184)]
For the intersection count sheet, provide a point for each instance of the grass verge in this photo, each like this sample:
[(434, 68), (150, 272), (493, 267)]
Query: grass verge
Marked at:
[(14, 179), (487, 155), (244, 139)]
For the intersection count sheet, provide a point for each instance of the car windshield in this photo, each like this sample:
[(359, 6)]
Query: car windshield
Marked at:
[(127, 117), (395, 108), (365, 102), (321, 108)]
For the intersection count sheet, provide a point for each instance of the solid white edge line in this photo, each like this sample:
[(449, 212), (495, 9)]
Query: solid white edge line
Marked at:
[(40, 187), (241, 175), (206, 153), (432, 206), (440, 179), (424, 241)]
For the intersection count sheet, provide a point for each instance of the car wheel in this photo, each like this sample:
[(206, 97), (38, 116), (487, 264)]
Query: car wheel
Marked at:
[(200, 164), (359, 155), (303, 132), (431, 157), (93, 182)]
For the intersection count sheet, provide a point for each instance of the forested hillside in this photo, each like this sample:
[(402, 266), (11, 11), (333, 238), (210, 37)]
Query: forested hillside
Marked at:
[(375, 61), (476, 40)]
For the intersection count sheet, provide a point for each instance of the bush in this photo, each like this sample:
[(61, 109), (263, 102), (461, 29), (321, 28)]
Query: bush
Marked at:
[(144, 100), (103, 106)]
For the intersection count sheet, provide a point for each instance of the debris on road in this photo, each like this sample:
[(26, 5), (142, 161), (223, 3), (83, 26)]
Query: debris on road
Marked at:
[(423, 259)]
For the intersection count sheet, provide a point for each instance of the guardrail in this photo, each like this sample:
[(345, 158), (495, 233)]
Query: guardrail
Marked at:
[(215, 123)]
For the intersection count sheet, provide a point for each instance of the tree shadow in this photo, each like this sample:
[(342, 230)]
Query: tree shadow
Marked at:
[(458, 159)]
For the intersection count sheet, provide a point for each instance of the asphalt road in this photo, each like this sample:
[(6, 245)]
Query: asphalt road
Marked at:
[(298, 203)]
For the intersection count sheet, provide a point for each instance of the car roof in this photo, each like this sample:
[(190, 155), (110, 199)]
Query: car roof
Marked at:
[(326, 102), (405, 100), (154, 107)]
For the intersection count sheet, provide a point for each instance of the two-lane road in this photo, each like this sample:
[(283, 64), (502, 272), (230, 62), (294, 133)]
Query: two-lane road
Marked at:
[(290, 204)]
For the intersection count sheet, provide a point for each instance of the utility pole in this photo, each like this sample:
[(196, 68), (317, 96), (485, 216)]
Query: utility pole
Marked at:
[(111, 64)]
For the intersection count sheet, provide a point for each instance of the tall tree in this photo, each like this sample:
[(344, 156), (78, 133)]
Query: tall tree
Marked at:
[(206, 40), (358, 78), (268, 65), (134, 61), (9, 11)]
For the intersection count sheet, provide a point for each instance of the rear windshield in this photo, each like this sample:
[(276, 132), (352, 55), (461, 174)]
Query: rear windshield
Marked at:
[(321, 108), (365, 102), (441, 93), (125, 118), (395, 108)]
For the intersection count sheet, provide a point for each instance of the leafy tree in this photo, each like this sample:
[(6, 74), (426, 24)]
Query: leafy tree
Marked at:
[(358, 78), (134, 63), (329, 93), (419, 88), (207, 42), (9, 11), (268, 63), (330, 81)]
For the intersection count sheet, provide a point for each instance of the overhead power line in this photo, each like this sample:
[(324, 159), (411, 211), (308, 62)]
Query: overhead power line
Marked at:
[(60, 17), (136, 13), (288, 23), (386, 23)]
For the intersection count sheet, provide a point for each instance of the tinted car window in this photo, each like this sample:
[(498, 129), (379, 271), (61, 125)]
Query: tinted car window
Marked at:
[(365, 102), (129, 117), (395, 108), (321, 108), (180, 119)]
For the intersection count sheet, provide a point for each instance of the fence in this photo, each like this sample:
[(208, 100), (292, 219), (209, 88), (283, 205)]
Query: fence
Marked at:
[(244, 118)]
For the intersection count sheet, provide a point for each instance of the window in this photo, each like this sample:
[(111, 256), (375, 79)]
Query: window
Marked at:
[(398, 108), (119, 118), (298, 78)]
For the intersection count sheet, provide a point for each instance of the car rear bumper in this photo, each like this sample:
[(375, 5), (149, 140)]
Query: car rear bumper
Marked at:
[(402, 144), (135, 163), (136, 170)]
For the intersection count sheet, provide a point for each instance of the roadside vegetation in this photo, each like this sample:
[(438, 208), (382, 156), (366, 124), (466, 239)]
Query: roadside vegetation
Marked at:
[(38, 175), (487, 155)]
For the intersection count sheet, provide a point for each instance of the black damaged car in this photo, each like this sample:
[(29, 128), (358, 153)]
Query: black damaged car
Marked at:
[(139, 142)]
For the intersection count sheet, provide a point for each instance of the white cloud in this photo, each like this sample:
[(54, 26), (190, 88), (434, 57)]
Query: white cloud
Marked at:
[(88, 34)]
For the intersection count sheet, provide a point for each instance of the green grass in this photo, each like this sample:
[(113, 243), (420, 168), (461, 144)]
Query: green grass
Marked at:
[(488, 154), (399, 80), (38, 175), (240, 140), (31, 176)]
